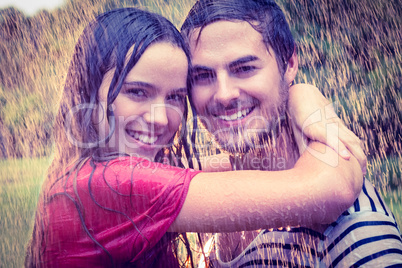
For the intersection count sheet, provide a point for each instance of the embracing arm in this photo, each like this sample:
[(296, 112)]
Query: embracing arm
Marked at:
[(314, 191)]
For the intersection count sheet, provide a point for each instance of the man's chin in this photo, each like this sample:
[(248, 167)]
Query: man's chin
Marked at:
[(234, 148), (242, 145)]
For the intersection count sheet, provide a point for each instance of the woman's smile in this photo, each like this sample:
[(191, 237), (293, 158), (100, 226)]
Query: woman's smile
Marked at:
[(145, 138)]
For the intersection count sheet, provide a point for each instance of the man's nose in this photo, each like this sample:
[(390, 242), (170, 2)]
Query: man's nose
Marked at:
[(226, 91)]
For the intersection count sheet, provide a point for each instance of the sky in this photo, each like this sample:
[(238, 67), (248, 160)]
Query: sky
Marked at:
[(30, 7)]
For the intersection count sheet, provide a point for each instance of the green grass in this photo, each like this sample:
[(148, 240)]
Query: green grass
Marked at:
[(20, 181)]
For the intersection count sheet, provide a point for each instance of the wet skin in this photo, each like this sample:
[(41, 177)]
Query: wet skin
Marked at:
[(149, 108), (238, 89)]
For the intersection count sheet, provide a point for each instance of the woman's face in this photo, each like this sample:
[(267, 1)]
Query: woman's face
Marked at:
[(150, 106)]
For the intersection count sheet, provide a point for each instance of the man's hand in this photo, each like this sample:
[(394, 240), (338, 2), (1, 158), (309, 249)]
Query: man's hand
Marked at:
[(314, 118)]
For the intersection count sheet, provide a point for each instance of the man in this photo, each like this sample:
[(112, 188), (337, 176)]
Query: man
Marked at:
[(244, 60)]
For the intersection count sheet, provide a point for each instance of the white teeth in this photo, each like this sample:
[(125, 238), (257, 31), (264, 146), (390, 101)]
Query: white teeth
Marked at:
[(235, 116), (143, 138), (146, 139)]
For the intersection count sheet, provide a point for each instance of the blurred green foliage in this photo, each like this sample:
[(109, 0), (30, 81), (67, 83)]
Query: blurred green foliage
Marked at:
[(351, 50)]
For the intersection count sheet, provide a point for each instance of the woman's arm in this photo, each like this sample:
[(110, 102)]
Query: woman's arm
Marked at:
[(314, 191)]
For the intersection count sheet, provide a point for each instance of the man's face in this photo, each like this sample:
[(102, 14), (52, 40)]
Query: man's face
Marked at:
[(238, 90)]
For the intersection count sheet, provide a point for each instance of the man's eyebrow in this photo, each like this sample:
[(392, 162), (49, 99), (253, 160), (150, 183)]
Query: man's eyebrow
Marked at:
[(180, 90), (200, 68), (243, 60), (239, 61)]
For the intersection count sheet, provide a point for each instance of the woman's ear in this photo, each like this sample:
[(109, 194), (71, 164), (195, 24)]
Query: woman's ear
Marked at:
[(291, 68)]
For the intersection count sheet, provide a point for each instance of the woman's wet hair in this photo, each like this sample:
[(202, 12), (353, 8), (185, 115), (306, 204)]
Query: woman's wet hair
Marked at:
[(114, 40), (265, 16)]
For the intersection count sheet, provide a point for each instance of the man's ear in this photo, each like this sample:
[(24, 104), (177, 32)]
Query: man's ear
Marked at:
[(291, 68)]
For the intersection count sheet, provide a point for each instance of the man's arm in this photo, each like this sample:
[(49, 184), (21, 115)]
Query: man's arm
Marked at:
[(314, 118)]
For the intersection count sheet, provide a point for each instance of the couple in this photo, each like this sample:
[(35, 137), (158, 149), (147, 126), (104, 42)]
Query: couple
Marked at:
[(125, 94)]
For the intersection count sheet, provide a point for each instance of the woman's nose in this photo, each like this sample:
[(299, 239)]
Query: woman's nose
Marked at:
[(157, 114)]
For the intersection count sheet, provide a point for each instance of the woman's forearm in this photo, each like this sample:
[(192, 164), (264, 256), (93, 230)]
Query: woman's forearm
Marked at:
[(316, 190)]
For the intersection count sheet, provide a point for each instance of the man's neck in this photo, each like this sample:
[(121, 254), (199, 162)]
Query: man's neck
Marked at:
[(280, 153)]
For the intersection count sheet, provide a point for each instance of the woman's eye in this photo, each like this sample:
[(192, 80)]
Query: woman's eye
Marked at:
[(136, 92)]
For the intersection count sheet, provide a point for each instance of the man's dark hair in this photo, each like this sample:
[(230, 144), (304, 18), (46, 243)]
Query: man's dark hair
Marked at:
[(265, 16)]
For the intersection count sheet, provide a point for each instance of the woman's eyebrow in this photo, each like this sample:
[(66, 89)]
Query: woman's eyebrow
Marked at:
[(150, 86), (138, 84), (243, 60)]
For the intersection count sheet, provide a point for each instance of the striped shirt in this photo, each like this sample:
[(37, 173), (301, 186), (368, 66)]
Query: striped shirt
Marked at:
[(365, 235)]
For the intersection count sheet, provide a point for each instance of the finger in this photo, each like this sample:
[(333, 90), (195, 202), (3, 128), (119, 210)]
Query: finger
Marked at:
[(347, 144), (335, 131), (355, 146), (358, 152), (338, 146), (330, 137)]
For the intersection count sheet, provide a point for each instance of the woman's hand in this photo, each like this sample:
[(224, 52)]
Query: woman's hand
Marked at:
[(314, 118)]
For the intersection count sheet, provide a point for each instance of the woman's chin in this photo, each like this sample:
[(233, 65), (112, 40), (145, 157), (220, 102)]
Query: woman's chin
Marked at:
[(145, 153)]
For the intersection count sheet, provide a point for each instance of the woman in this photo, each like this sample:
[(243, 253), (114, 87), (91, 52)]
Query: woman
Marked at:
[(105, 203)]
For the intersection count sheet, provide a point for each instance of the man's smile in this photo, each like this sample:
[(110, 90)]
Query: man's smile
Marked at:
[(234, 115)]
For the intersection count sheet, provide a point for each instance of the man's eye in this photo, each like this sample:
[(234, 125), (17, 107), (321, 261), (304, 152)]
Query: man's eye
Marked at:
[(201, 78), (244, 69), (177, 98)]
